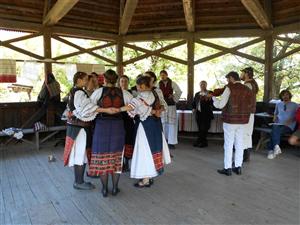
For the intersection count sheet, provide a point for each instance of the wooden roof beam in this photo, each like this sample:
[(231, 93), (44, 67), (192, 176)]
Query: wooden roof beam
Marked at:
[(256, 10), (189, 13), (58, 11), (129, 9)]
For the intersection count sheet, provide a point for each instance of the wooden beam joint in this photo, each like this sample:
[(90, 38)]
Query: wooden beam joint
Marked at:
[(58, 11), (256, 10), (189, 13), (129, 9)]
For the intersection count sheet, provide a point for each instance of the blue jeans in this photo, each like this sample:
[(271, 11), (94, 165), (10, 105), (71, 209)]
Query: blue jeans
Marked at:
[(276, 133)]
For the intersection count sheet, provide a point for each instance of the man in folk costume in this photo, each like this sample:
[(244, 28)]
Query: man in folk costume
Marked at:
[(247, 77), (81, 111), (236, 104), (171, 93)]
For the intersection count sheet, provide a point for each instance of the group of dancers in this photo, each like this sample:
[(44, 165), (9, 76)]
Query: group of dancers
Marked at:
[(114, 125), (109, 126)]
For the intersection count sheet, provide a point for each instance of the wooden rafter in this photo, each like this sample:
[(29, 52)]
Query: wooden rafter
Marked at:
[(256, 10), (58, 11), (218, 54), (231, 50), (291, 40), (155, 52), (17, 49), (83, 50), (22, 38), (295, 50), (129, 9), (189, 13)]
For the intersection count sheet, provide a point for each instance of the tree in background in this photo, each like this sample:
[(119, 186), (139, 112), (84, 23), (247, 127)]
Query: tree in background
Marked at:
[(286, 71)]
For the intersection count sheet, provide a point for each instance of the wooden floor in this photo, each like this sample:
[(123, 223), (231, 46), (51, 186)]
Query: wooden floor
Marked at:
[(34, 191)]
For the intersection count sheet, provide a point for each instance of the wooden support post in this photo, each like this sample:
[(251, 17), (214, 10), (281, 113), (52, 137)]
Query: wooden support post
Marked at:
[(268, 74), (119, 59), (47, 51), (190, 68), (269, 44)]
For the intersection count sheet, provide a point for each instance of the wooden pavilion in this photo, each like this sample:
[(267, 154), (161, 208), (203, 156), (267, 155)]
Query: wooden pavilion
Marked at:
[(121, 22), (35, 191)]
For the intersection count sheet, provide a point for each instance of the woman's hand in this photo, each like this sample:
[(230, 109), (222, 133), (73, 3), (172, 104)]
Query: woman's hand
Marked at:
[(110, 110), (126, 108), (113, 110)]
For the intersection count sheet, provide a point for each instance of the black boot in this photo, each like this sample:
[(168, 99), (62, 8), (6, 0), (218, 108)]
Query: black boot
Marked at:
[(79, 179), (115, 181), (226, 172), (246, 157), (237, 170), (104, 181)]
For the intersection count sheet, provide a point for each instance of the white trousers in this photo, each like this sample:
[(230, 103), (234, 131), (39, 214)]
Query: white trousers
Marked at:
[(78, 152), (248, 131), (233, 136)]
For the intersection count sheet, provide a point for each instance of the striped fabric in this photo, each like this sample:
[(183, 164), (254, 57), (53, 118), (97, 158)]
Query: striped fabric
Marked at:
[(89, 68), (38, 126), (8, 71)]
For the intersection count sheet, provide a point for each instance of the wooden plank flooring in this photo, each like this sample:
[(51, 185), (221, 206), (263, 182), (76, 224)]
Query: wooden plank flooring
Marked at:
[(34, 191)]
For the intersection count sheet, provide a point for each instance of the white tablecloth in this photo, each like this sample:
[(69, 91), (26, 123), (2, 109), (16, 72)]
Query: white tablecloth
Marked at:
[(187, 122)]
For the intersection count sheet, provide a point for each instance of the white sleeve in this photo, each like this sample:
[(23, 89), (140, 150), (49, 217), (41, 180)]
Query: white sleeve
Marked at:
[(139, 108), (176, 91), (96, 95), (127, 97), (85, 110), (248, 85), (222, 101), (161, 98)]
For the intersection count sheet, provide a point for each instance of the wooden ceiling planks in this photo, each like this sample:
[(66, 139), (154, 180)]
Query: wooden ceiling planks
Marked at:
[(151, 15)]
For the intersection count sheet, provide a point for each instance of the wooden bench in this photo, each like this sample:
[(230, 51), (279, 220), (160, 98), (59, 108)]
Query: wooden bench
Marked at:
[(37, 142), (265, 136)]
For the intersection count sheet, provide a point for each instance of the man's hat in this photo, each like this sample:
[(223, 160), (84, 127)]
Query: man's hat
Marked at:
[(234, 75), (248, 70)]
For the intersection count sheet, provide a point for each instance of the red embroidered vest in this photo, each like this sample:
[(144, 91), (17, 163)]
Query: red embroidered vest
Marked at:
[(167, 91), (111, 97), (239, 105)]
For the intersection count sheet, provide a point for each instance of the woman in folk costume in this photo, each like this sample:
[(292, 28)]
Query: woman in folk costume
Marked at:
[(151, 151), (164, 105), (129, 128), (81, 111), (172, 93), (109, 133)]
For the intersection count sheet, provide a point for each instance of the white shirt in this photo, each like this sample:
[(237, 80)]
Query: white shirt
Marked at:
[(142, 105), (222, 100), (85, 109)]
